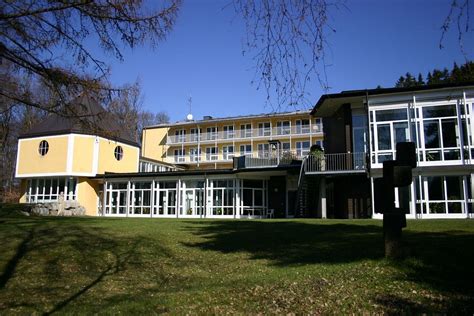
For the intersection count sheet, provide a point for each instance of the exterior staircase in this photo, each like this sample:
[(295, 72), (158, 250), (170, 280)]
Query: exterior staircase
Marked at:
[(307, 194)]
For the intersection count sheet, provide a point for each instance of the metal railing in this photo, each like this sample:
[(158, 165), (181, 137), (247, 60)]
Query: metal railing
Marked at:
[(286, 157), (239, 134), (272, 160), (319, 163), (251, 162)]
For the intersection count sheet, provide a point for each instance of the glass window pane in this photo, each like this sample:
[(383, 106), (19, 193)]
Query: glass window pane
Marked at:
[(432, 134), (391, 115), (439, 111), (258, 197), (450, 133), (454, 188), (401, 132), (435, 188), (384, 138)]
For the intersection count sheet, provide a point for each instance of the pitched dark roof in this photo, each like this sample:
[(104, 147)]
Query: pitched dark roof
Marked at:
[(84, 115)]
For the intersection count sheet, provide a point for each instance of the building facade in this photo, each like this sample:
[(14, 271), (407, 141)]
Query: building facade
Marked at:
[(260, 166), (438, 119), (62, 156), (212, 143)]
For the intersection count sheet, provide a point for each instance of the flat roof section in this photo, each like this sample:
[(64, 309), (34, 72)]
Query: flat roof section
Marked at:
[(109, 175), (229, 118), (355, 94)]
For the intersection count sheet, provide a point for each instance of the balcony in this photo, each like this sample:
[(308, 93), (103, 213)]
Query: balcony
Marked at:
[(251, 160), (335, 163), (285, 159), (238, 135)]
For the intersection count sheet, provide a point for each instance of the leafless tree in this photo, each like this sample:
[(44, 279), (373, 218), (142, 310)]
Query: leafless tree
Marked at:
[(15, 118), (458, 17), (288, 41), (128, 108), (34, 32)]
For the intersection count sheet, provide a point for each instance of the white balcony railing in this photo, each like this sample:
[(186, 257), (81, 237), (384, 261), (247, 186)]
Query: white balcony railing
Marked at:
[(285, 157), (239, 134), (343, 162)]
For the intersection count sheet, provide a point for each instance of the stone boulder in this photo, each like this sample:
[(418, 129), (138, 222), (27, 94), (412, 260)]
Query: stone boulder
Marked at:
[(69, 208)]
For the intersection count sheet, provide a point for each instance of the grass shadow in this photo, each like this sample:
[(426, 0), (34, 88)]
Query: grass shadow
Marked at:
[(440, 260), (70, 257), (291, 242)]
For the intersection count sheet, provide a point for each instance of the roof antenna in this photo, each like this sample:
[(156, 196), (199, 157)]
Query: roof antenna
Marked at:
[(189, 117)]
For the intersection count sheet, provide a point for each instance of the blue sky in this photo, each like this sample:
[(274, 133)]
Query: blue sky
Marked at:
[(375, 42)]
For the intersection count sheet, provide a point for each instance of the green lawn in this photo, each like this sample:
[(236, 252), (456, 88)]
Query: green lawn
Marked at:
[(103, 265)]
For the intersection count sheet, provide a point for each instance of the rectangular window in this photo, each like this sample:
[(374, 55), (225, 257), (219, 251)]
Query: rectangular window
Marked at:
[(245, 130), (229, 132), (211, 133), (391, 115), (384, 137), (222, 196), (179, 155), (283, 128), (246, 150), (195, 154), (439, 111), (211, 153), (228, 152), (195, 134), (302, 148), (285, 147), (263, 150), (318, 125), (264, 129), (180, 136), (50, 189), (445, 194), (302, 127)]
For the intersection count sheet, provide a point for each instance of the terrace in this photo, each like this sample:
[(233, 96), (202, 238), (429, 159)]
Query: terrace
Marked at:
[(342, 163)]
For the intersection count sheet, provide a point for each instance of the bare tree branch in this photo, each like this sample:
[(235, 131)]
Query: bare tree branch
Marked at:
[(288, 42), (459, 15), (34, 32)]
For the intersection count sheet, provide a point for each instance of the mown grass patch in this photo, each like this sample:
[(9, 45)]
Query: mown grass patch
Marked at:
[(106, 265)]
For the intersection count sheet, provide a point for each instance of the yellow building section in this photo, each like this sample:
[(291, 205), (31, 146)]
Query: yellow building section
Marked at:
[(83, 159), (154, 143), (88, 195), (109, 163), (31, 162), (23, 184), (292, 118)]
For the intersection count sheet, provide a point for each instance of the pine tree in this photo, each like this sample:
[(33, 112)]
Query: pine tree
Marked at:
[(429, 78), (457, 74), (400, 83), (420, 81)]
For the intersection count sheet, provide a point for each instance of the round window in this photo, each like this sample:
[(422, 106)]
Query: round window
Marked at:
[(118, 152), (43, 148)]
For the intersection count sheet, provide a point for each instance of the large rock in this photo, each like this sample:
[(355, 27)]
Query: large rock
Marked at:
[(70, 208)]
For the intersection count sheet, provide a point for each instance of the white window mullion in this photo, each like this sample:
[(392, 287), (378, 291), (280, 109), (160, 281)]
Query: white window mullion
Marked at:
[(445, 194), (426, 195), (460, 128)]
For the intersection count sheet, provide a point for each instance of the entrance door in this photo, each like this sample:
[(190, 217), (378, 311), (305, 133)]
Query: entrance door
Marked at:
[(277, 196), (170, 202), (188, 202), (193, 202), (118, 203)]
